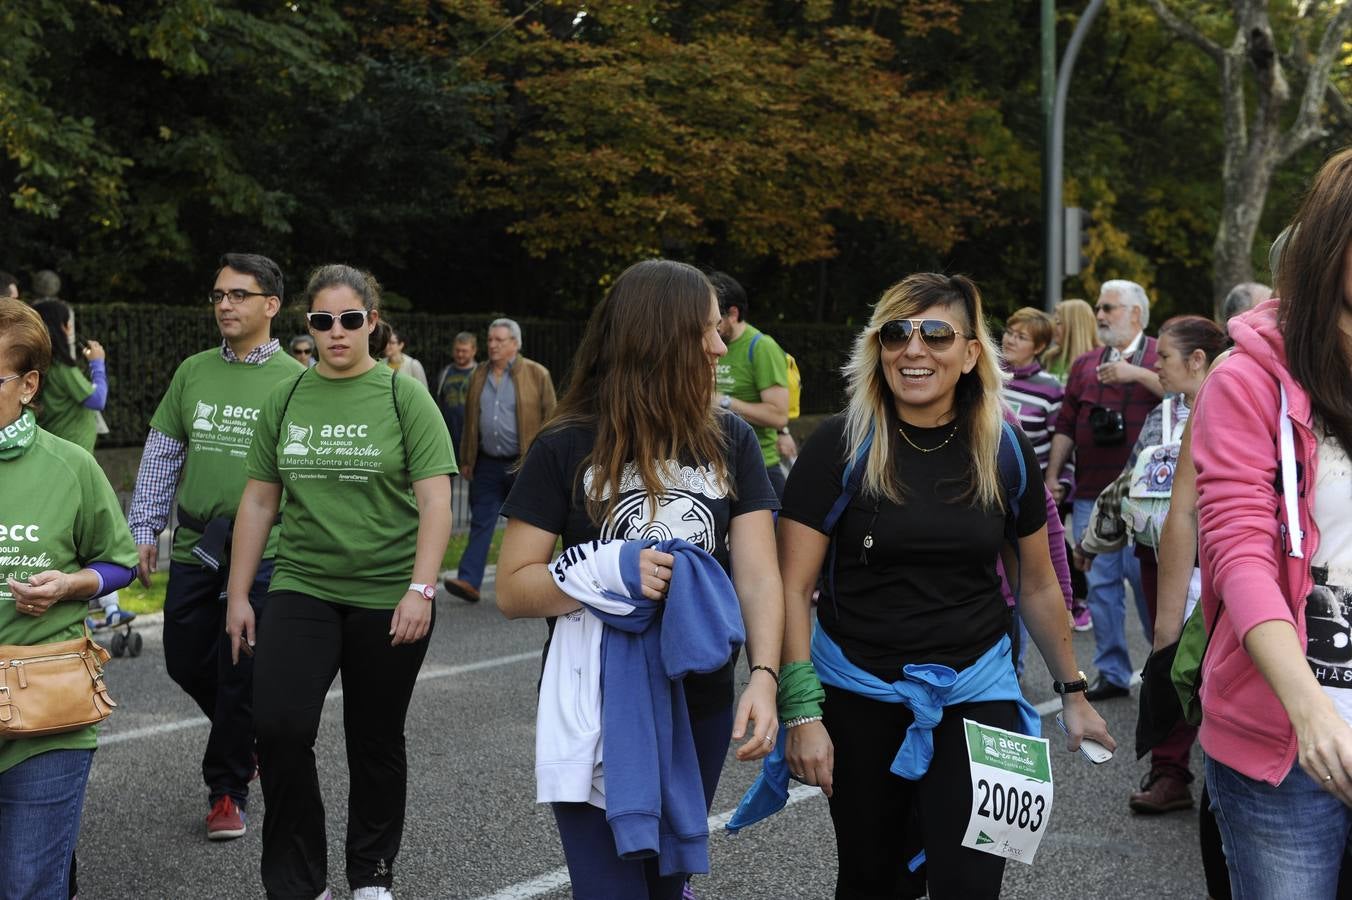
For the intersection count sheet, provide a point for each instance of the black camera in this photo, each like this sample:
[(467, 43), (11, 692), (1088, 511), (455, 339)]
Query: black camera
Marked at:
[(1107, 426)]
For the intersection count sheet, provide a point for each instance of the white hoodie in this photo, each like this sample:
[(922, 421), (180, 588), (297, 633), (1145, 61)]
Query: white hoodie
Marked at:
[(568, 720)]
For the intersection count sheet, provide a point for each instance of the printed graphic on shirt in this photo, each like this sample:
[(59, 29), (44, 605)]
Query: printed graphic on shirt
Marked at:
[(1157, 472), (223, 428), (331, 451), (1329, 647), (1328, 608), (681, 512), (21, 554)]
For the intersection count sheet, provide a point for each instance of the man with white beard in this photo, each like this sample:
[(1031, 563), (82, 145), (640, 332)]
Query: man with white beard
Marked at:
[(1109, 393)]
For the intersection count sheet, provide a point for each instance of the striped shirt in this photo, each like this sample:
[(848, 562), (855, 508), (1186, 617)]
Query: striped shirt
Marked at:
[(162, 464), (1035, 397)]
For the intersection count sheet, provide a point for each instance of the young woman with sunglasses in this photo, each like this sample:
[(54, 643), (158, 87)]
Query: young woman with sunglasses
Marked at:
[(915, 581), (351, 446), (638, 414)]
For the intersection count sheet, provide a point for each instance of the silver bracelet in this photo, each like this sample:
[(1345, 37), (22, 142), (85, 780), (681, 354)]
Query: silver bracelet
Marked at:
[(801, 720)]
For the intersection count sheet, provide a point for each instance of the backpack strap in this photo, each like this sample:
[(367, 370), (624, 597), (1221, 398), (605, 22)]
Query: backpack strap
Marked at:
[(751, 351), (1014, 479), (399, 419), (289, 394), (850, 482)]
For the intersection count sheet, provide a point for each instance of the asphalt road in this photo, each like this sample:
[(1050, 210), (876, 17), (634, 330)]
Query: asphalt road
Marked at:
[(473, 830)]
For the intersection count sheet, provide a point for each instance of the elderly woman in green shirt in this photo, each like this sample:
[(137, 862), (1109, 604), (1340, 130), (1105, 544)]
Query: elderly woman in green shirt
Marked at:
[(63, 541)]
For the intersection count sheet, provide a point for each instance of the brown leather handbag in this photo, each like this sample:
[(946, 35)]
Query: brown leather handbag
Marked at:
[(52, 688)]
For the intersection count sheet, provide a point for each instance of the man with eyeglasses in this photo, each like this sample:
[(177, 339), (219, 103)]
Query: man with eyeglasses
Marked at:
[(198, 440), (1109, 393)]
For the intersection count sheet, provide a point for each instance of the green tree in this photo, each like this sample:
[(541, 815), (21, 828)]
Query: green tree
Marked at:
[(1266, 118)]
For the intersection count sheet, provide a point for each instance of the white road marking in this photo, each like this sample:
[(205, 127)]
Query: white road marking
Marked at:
[(426, 674), (552, 881), (558, 878)]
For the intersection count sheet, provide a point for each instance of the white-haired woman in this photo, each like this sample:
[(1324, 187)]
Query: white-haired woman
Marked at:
[(914, 582)]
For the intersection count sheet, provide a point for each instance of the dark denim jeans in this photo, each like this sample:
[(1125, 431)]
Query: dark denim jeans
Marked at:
[(487, 492)]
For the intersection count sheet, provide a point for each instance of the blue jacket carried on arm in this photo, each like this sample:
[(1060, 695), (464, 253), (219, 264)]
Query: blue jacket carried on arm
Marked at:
[(655, 800)]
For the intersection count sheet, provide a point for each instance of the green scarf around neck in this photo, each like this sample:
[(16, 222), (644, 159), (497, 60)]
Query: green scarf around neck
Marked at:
[(18, 436)]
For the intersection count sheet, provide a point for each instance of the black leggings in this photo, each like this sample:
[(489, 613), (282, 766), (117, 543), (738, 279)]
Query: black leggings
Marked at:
[(303, 643), (882, 820)]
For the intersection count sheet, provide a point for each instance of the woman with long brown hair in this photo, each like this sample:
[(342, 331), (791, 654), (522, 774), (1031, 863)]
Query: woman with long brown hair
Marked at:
[(638, 451), (1272, 434)]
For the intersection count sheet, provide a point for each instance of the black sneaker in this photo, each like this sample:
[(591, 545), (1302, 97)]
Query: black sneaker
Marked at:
[(1103, 689)]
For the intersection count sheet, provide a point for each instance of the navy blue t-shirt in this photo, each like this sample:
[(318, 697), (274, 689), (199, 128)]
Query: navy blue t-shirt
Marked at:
[(696, 507)]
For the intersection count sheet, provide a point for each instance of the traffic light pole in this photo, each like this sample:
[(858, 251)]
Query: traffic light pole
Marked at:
[(1054, 246)]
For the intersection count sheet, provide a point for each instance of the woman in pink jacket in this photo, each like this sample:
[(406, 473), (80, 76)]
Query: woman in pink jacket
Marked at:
[(1273, 428)]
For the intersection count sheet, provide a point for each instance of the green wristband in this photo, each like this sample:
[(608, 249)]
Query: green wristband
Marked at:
[(800, 693)]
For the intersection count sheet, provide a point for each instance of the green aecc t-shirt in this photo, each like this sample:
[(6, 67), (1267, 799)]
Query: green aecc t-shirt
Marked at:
[(346, 467), (64, 391), (57, 511), (742, 375), (212, 406)]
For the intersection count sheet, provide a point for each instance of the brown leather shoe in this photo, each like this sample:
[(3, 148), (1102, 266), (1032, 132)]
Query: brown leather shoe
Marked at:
[(1161, 791), (457, 587)]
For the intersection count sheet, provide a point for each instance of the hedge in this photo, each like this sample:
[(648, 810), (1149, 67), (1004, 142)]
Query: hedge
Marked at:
[(146, 343)]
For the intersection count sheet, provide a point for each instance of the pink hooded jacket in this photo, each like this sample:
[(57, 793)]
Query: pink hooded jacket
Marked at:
[(1249, 572)]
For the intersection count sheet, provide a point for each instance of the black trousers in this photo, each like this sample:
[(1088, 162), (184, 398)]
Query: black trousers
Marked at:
[(303, 643), (197, 656), (882, 820)]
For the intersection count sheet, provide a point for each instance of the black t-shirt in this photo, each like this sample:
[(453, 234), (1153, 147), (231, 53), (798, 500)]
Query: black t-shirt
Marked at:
[(696, 507), (926, 590)]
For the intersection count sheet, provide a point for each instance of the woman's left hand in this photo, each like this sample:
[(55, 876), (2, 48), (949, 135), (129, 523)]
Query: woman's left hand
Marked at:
[(412, 619), (1082, 721), (35, 596), (758, 705)]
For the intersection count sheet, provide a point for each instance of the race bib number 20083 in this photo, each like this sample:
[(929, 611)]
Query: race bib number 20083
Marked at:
[(1011, 791)]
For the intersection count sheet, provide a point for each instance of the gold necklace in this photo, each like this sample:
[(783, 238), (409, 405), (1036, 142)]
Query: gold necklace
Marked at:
[(950, 437)]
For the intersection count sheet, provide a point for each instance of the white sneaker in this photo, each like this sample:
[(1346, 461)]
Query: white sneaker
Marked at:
[(375, 892)]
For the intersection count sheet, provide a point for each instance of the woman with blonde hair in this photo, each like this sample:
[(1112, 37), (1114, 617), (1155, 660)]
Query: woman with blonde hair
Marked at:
[(912, 581), (1074, 333)]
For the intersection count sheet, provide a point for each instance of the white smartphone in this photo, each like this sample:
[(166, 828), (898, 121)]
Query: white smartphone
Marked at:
[(1093, 751)]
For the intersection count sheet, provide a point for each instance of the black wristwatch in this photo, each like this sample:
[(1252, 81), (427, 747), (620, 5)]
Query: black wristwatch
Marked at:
[(1072, 687)]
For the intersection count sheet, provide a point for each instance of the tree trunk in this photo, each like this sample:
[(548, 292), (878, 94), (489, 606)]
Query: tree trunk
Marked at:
[(1254, 149)]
